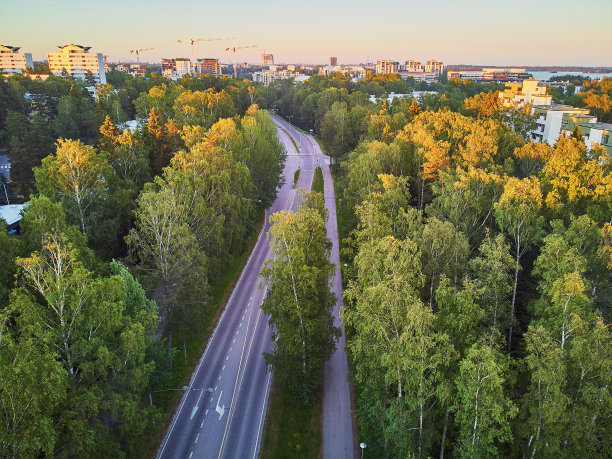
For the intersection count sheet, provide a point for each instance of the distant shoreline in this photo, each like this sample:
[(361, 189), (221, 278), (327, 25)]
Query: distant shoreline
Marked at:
[(535, 68)]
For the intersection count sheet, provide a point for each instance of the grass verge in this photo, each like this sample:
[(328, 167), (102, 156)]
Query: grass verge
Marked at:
[(192, 343), (297, 150), (317, 182), (296, 177), (292, 430)]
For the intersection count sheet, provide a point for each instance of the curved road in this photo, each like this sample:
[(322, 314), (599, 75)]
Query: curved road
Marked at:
[(222, 413)]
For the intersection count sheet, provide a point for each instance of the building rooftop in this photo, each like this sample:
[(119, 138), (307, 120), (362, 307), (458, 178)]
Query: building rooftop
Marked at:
[(73, 47), (596, 125), (11, 214), (561, 108), (13, 49)]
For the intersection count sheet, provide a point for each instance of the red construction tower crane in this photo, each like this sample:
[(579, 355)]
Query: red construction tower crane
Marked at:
[(233, 49), (138, 51), (191, 41)]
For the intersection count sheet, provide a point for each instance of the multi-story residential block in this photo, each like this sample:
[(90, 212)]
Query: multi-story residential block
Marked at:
[(208, 66), (527, 92), (12, 61), (386, 66), (333, 61), (428, 77), (267, 59), (550, 121), (266, 77), (168, 66), (413, 66), (434, 67), (78, 62), (593, 132), (183, 66)]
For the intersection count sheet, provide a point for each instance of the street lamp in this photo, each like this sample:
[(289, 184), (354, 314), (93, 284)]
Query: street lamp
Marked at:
[(164, 390), (362, 446)]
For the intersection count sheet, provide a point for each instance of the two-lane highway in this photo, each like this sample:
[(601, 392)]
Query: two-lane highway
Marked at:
[(222, 413)]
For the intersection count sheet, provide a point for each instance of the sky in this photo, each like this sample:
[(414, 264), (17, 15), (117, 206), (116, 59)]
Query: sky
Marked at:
[(478, 32)]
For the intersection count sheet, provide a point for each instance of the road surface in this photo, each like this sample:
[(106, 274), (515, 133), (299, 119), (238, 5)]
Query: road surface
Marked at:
[(338, 434), (222, 413)]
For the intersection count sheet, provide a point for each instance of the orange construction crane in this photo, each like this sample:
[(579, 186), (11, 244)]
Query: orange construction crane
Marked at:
[(138, 51), (233, 49), (191, 41)]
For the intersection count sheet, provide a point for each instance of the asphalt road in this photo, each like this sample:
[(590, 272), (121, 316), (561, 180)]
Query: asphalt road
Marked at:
[(222, 413), (338, 435)]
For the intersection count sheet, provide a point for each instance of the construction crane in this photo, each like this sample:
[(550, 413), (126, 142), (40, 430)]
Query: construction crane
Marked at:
[(138, 51), (233, 49), (191, 41)]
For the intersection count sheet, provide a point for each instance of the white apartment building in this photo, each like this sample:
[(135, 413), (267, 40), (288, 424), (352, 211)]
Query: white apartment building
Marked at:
[(182, 66), (527, 92), (428, 77), (12, 61), (168, 66), (434, 67), (385, 67), (550, 121), (77, 61), (413, 66), (266, 77)]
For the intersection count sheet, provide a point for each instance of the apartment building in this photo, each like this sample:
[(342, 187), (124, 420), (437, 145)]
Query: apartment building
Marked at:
[(413, 66), (182, 66), (550, 121), (434, 67), (527, 92), (267, 76), (12, 61), (592, 131), (168, 67), (267, 59), (208, 66), (386, 67), (77, 61), (333, 61)]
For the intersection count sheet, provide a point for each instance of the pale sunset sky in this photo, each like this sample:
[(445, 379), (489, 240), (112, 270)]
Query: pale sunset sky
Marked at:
[(487, 32)]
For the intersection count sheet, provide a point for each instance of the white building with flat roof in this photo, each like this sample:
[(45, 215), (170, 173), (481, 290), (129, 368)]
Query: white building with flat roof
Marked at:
[(12, 61), (527, 92), (386, 66), (550, 121), (78, 62), (182, 66), (413, 66), (434, 67)]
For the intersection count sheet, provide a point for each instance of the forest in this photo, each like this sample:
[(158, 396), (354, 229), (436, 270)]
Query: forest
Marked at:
[(477, 296), (127, 238)]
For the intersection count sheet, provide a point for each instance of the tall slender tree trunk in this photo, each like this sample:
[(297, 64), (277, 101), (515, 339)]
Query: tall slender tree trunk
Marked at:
[(516, 271), (444, 430)]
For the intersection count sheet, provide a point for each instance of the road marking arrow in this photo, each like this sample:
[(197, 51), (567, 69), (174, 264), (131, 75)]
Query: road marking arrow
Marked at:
[(220, 409)]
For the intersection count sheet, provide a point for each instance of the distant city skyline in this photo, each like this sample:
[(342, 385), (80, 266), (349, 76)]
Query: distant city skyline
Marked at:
[(473, 32)]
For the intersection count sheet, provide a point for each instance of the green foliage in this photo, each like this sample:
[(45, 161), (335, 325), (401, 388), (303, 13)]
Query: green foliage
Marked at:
[(299, 300), (483, 410)]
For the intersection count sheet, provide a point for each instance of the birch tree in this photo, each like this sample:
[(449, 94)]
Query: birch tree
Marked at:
[(483, 411), (518, 214), (299, 300)]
